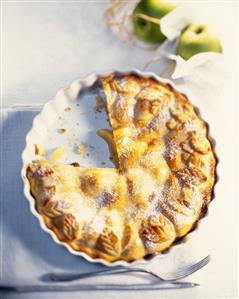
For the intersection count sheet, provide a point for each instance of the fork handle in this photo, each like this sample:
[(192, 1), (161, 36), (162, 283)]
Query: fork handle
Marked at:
[(116, 287), (62, 277)]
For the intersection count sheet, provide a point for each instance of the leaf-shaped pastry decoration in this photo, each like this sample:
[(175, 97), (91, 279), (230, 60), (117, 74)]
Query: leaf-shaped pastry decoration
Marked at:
[(70, 227), (171, 124), (199, 143), (90, 185), (191, 176), (182, 118), (181, 112), (142, 114), (45, 197), (175, 110), (130, 186), (109, 242), (186, 147), (43, 172), (185, 158), (106, 199), (189, 201), (172, 154), (175, 202), (175, 163), (157, 229), (196, 160), (155, 107), (126, 237), (53, 208), (120, 110)]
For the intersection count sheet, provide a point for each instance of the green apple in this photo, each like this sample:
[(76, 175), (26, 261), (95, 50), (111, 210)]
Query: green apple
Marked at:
[(197, 38), (146, 29)]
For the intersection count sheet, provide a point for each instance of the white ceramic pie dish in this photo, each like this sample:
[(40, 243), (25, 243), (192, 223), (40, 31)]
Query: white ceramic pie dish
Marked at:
[(81, 124)]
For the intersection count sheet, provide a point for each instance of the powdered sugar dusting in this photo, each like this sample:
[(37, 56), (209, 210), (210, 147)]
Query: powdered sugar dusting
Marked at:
[(105, 199), (98, 224), (149, 244), (154, 203), (190, 125), (171, 149)]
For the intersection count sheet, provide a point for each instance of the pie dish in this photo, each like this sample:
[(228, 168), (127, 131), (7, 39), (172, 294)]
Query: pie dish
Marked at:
[(161, 186)]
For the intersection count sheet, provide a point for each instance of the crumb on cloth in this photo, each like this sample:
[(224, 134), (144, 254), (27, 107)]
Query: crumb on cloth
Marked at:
[(62, 130), (100, 104)]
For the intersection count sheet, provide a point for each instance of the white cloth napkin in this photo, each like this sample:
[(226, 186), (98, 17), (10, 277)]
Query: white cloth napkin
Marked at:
[(27, 252), (204, 73)]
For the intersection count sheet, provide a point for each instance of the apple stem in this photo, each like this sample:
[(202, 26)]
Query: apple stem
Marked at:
[(148, 18)]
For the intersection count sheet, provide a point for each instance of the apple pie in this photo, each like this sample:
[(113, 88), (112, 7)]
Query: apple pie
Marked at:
[(161, 186)]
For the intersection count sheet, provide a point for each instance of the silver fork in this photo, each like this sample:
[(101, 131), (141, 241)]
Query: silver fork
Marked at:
[(166, 281), (165, 277)]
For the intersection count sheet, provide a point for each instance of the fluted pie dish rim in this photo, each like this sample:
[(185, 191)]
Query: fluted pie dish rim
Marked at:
[(53, 105)]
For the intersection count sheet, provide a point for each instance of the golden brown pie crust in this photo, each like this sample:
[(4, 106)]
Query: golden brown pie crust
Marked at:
[(157, 194)]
